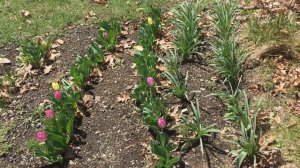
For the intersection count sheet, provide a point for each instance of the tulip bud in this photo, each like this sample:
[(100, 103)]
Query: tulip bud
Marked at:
[(150, 81), (55, 86), (105, 34), (150, 21), (49, 113), (161, 122), (41, 136), (57, 95)]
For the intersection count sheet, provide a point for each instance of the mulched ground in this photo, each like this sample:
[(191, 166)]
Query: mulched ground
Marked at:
[(111, 133)]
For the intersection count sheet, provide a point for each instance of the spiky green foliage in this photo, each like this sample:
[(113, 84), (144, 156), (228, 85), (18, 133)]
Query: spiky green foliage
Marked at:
[(196, 126), (248, 145), (187, 34), (229, 56)]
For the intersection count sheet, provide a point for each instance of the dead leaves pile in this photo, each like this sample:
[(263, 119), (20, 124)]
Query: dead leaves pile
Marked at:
[(286, 77)]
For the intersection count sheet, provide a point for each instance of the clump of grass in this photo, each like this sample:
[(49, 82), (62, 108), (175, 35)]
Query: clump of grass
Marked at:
[(279, 29), (4, 145)]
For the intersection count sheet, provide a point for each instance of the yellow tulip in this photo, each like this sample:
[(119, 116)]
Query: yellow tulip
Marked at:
[(55, 86), (150, 21)]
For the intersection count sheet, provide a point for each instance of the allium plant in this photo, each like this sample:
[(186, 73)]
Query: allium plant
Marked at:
[(248, 145), (178, 86), (196, 126), (108, 34), (187, 34), (229, 56), (52, 142)]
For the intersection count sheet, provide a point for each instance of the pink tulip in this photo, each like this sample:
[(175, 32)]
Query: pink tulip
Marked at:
[(161, 122), (49, 113), (105, 34), (57, 95), (150, 81), (41, 136)]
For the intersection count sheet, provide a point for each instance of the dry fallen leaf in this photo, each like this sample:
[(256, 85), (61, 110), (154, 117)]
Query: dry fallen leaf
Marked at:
[(100, 1), (123, 98), (54, 55), (25, 13), (59, 41), (4, 61), (96, 73), (47, 69)]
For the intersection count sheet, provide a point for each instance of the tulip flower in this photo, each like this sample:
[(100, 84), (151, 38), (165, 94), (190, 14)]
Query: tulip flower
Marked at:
[(55, 86), (150, 21), (105, 34), (57, 95), (150, 81), (41, 136), (49, 113), (161, 122)]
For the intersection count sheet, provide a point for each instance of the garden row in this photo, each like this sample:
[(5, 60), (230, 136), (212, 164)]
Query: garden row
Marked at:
[(54, 138), (228, 61)]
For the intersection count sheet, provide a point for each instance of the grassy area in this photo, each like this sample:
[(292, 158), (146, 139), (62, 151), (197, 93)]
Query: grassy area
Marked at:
[(52, 15)]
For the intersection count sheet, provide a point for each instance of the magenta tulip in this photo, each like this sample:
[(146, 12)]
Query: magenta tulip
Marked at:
[(49, 113), (150, 81), (161, 122), (41, 136), (105, 34), (57, 95)]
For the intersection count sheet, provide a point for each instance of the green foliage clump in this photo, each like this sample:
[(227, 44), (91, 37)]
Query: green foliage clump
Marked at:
[(229, 57), (33, 51), (108, 34), (187, 34)]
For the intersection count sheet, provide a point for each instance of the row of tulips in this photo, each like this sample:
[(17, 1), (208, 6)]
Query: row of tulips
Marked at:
[(52, 142), (154, 111)]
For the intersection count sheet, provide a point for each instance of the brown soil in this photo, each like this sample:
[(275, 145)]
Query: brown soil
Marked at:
[(111, 134)]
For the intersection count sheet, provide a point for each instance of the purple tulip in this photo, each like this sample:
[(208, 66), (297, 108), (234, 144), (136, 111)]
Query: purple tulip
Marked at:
[(161, 122), (41, 136), (150, 81)]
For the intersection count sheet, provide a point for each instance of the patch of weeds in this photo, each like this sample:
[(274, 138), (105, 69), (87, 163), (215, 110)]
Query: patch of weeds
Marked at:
[(280, 29), (4, 145), (35, 117)]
